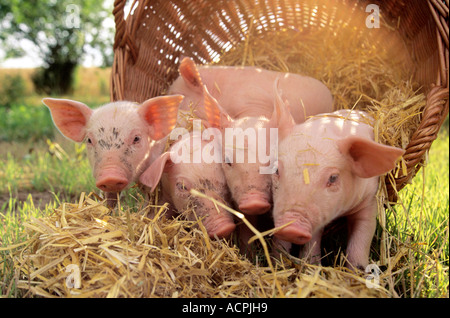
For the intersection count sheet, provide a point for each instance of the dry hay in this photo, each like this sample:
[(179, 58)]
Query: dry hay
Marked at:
[(81, 250), (362, 72), (143, 254)]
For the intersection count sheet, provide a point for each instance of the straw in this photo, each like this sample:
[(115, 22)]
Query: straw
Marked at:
[(168, 258)]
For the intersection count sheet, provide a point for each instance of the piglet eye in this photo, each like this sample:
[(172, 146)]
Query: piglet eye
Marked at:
[(89, 141), (136, 140), (181, 186), (332, 180)]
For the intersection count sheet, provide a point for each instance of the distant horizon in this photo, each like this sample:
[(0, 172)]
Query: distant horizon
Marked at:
[(7, 67), (29, 62)]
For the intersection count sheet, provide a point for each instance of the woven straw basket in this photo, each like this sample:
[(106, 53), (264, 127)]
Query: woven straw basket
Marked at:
[(151, 39)]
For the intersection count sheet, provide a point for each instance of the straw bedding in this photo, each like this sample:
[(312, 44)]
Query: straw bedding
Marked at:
[(85, 250), (360, 72)]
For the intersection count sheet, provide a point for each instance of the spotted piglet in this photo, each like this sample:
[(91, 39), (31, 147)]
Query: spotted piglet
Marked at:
[(119, 136)]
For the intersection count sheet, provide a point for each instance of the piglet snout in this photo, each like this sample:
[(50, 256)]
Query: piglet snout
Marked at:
[(222, 229), (254, 207), (112, 182), (218, 223), (298, 232), (254, 204)]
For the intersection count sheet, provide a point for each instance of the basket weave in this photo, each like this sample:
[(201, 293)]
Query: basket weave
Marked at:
[(150, 41)]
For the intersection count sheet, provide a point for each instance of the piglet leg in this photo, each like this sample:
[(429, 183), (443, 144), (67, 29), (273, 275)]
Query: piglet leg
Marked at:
[(361, 229)]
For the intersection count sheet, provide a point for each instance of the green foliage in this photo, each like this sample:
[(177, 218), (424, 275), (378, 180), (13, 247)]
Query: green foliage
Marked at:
[(421, 223), (57, 78), (63, 31), (21, 122), (48, 169), (68, 172), (12, 90), (60, 29)]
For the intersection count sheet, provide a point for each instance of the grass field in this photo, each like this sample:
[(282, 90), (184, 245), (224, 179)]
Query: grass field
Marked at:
[(91, 85), (421, 222), (39, 169)]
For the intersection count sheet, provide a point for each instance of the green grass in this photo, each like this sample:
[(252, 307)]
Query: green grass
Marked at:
[(22, 123), (421, 223), (47, 168)]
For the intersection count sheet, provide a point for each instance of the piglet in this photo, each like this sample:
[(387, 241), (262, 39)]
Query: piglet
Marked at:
[(241, 99), (247, 144), (183, 168), (328, 167), (119, 136)]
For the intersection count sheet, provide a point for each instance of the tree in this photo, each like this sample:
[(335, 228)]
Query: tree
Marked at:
[(62, 30)]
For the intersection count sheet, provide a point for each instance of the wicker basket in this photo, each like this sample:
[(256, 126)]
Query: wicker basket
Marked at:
[(149, 43)]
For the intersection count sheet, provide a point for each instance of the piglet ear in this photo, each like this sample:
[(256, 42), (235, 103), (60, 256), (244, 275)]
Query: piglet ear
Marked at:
[(152, 175), (368, 158), (69, 116), (190, 74), (161, 114), (281, 116), (216, 116)]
